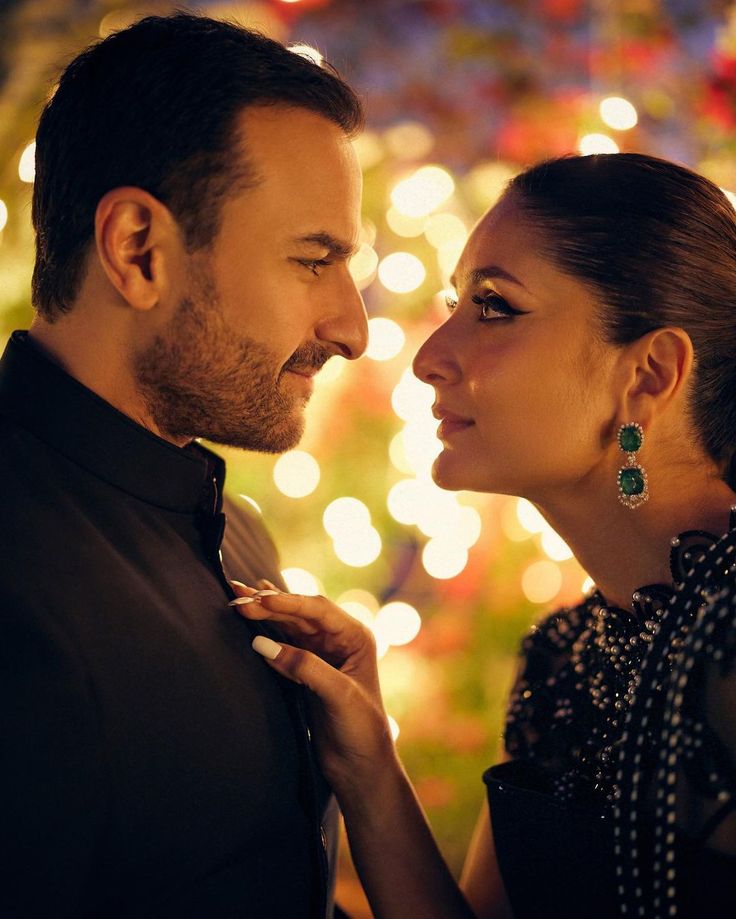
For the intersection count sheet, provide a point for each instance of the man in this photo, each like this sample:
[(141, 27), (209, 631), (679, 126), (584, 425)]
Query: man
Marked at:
[(196, 202)]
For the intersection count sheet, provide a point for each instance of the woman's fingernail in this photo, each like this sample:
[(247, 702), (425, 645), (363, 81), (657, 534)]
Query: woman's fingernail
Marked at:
[(240, 584), (266, 647), (265, 593), (241, 601)]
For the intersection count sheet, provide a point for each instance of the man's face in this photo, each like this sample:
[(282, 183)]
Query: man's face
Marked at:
[(271, 299)]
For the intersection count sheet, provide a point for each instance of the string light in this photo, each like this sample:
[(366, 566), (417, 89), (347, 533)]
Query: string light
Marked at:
[(386, 339), (397, 623), (307, 51), (587, 585), (296, 474), (409, 140), (541, 581), (363, 265), (394, 728), (401, 272), (301, 581), (618, 113), (444, 559), (27, 164), (442, 229), (368, 149), (358, 548), (3, 215), (529, 517), (411, 396), (408, 227), (423, 192), (554, 546), (597, 143), (344, 515)]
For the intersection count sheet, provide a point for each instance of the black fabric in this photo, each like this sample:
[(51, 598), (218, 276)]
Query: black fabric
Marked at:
[(151, 764)]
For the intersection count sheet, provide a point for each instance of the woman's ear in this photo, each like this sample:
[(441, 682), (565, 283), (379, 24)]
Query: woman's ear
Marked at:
[(660, 364), (135, 235)]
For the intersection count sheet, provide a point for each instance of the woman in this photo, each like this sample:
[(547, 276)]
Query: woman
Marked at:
[(589, 365)]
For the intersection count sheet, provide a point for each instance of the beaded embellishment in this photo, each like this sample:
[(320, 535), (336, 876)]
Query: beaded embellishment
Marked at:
[(601, 708)]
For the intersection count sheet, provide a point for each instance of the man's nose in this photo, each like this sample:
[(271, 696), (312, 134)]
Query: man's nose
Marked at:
[(345, 324)]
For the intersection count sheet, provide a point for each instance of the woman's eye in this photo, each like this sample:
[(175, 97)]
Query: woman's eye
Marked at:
[(493, 306)]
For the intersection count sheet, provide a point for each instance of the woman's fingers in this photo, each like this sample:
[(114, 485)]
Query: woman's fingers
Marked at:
[(303, 667)]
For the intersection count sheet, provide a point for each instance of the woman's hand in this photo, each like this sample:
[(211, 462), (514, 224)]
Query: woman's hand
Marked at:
[(334, 656)]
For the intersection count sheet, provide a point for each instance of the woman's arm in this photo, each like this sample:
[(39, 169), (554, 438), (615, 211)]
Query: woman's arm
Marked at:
[(481, 880), (398, 861)]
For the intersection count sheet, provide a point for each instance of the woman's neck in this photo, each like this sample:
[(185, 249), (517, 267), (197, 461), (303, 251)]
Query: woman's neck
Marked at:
[(624, 549)]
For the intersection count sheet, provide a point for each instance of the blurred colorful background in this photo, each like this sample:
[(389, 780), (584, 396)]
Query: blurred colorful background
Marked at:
[(460, 94)]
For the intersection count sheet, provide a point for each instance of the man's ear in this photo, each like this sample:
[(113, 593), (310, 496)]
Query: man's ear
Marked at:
[(659, 366), (136, 237)]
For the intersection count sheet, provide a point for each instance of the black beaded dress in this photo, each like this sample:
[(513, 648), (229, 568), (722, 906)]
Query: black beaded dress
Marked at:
[(619, 797)]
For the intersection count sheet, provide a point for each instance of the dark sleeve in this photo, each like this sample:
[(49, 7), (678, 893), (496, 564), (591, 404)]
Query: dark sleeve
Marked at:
[(50, 783)]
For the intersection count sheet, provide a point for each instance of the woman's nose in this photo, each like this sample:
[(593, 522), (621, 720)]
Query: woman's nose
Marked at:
[(434, 361)]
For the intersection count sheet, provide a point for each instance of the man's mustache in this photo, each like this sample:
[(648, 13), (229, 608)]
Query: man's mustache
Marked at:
[(310, 357)]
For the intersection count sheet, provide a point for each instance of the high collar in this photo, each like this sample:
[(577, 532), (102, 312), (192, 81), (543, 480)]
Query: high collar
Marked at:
[(39, 396)]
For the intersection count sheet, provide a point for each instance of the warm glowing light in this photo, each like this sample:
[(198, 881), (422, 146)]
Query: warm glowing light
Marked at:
[(529, 517), (401, 225), (441, 229), (467, 526), (301, 582), (361, 604), (397, 623), (510, 523), (420, 442), (3, 215), (394, 728), (401, 272), (307, 51), (386, 338), (618, 113), (368, 149), (411, 396), (448, 256), (363, 266), (253, 503), (358, 611), (541, 581), (345, 515), (555, 547), (358, 548), (587, 585), (487, 181), (597, 143), (423, 192), (397, 454), (731, 197), (296, 474), (27, 164), (409, 140), (403, 500), (331, 371), (443, 559), (438, 511)]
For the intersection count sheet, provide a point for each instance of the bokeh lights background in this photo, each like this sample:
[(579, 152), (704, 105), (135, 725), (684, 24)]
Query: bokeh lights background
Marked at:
[(460, 95)]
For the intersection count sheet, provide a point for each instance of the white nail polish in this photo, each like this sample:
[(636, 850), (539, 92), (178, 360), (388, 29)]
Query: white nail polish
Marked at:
[(266, 593), (241, 601), (266, 647)]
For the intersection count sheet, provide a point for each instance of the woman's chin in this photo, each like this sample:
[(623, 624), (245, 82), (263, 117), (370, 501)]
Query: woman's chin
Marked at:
[(448, 475)]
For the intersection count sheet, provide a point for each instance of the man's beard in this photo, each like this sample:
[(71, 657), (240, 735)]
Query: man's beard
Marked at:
[(199, 380)]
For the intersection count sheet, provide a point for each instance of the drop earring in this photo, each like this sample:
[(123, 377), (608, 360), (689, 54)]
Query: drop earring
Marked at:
[(633, 488)]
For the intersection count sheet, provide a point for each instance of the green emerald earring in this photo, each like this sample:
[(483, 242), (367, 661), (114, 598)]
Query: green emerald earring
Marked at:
[(633, 488)]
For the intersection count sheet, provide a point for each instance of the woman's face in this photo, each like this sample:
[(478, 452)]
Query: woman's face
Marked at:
[(525, 387)]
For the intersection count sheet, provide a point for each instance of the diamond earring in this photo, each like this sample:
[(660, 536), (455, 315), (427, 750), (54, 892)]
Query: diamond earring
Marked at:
[(633, 487)]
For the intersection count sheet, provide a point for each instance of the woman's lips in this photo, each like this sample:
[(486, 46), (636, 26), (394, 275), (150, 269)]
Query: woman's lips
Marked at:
[(450, 423)]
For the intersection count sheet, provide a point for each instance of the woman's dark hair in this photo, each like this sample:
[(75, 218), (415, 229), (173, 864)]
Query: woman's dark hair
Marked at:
[(155, 106), (656, 243)]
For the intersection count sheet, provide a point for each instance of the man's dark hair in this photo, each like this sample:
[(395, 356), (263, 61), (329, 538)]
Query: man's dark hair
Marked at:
[(155, 106), (656, 243)]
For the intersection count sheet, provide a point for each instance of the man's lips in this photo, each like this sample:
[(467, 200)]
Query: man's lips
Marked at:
[(450, 423)]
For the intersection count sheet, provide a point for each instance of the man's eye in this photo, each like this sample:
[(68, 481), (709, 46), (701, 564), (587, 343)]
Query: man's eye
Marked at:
[(314, 264)]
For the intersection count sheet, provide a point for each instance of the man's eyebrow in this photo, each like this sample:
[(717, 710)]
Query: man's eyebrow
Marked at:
[(488, 273), (327, 241)]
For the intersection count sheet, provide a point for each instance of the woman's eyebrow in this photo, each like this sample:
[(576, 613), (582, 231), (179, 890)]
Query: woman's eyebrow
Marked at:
[(488, 273)]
